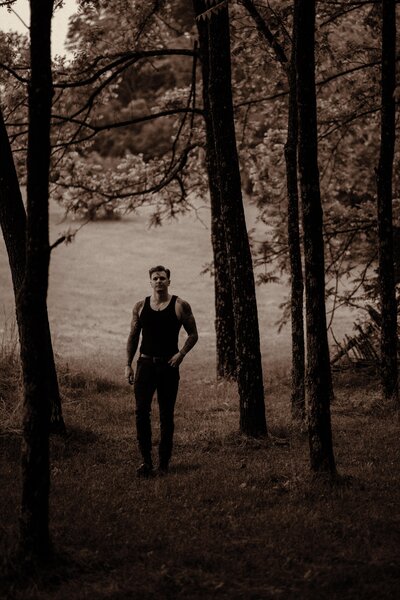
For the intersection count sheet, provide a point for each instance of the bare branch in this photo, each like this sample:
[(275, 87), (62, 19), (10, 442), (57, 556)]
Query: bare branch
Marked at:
[(130, 57), (265, 31), (157, 4), (14, 73), (191, 100), (134, 121)]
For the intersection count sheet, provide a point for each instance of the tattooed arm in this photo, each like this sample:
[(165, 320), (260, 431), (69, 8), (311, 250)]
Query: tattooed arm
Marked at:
[(133, 340), (189, 324), (185, 315)]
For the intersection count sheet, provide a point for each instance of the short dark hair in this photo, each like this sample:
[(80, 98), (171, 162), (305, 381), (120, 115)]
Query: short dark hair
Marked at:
[(159, 268)]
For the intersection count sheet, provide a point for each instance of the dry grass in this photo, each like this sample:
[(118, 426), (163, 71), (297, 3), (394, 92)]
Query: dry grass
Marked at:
[(10, 381), (95, 281), (235, 518)]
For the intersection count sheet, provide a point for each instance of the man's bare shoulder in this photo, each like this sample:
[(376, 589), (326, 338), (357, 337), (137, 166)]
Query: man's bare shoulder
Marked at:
[(183, 306), (138, 307)]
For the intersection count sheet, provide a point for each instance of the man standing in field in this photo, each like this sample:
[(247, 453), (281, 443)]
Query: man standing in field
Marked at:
[(158, 318)]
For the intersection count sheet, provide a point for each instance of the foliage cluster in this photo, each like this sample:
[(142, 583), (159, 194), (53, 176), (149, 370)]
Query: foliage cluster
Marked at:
[(120, 168), (348, 104)]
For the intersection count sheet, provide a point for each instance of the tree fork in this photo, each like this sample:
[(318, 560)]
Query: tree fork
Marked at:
[(247, 337), (296, 273)]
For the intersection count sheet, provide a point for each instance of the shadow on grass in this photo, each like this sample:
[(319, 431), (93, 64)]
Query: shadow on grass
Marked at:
[(369, 579), (74, 383), (28, 579), (237, 441), (182, 468), (10, 445), (75, 441)]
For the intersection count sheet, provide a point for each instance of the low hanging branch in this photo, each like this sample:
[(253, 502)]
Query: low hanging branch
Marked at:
[(125, 58), (117, 61), (98, 128), (108, 126)]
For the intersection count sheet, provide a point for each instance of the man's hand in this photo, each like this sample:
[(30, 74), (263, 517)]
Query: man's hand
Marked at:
[(129, 375), (176, 359)]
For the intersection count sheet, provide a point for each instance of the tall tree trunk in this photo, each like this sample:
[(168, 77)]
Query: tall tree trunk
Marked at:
[(296, 273), (13, 225), (247, 339), (224, 321), (31, 305), (387, 288), (319, 382)]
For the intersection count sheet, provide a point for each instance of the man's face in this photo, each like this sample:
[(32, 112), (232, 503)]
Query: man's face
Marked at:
[(159, 281)]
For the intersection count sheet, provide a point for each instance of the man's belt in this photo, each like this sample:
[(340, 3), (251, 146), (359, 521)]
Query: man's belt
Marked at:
[(155, 359)]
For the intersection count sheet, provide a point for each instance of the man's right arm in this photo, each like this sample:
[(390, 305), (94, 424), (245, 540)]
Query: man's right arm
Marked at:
[(133, 340)]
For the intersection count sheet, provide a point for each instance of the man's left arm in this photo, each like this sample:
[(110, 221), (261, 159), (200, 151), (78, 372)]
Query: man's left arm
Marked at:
[(184, 313)]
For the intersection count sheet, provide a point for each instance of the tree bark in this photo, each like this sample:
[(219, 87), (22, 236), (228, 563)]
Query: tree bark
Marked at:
[(319, 381), (296, 273), (224, 320), (31, 305), (247, 338), (13, 225), (387, 287)]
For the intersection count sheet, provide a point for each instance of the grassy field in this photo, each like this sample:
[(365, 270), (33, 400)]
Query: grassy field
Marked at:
[(95, 281), (234, 519)]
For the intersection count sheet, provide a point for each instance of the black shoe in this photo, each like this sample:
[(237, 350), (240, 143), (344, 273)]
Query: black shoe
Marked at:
[(145, 470)]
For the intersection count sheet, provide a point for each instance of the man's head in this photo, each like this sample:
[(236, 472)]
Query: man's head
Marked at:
[(160, 269), (159, 279)]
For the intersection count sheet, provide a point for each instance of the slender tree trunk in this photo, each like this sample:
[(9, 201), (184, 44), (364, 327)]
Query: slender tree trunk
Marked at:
[(13, 225), (296, 273), (31, 305), (319, 382), (224, 321), (389, 365), (247, 339)]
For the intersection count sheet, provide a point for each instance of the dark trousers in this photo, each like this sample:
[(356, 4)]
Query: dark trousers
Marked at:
[(157, 377)]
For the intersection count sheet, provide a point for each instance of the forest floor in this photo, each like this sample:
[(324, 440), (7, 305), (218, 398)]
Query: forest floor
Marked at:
[(234, 518)]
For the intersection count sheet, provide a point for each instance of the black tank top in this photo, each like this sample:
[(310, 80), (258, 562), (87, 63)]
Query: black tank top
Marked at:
[(160, 330)]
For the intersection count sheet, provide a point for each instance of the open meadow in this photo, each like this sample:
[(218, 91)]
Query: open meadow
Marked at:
[(95, 280), (234, 518)]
